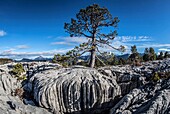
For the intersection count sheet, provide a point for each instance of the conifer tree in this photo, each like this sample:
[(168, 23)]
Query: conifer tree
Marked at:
[(89, 23)]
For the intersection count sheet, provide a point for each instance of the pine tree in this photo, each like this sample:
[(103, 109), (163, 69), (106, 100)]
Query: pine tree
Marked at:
[(54, 60), (89, 23), (146, 55), (160, 56), (121, 61), (152, 55), (166, 55), (134, 54)]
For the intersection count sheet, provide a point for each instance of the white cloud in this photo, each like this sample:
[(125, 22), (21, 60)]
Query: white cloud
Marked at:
[(19, 55), (141, 42), (156, 45), (22, 47), (2, 33), (116, 44), (144, 37), (164, 49), (70, 40), (61, 43), (9, 51), (128, 39), (78, 40)]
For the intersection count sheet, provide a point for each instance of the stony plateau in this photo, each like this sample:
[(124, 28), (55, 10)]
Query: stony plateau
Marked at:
[(112, 89)]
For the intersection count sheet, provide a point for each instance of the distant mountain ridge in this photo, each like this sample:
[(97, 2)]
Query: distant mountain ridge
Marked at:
[(85, 57), (39, 58), (124, 56)]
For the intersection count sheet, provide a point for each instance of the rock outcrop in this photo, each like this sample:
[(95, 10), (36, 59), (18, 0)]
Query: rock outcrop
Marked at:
[(126, 78), (10, 103), (118, 89), (76, 89), (143, 95), (149, 99), (129, 77)]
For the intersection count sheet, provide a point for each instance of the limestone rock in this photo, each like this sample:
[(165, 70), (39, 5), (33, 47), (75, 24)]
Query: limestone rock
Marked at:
[(74, 89), (12, 104), (121, 89), (149, 99)]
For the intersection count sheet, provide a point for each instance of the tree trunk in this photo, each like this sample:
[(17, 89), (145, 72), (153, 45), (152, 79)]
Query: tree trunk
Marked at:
[(92, 58), (93, 51)]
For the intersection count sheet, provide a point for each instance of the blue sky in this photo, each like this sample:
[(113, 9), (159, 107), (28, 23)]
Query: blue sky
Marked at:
[(29, 28)]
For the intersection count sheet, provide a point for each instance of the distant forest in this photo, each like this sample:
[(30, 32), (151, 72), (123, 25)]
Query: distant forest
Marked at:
[(135, 58)]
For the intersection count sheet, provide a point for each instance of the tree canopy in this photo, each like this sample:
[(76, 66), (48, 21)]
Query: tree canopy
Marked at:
[(149, 54), (134, 53), (89, 23)]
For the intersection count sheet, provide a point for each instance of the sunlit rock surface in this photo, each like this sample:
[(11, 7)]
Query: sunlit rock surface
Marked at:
[(74, 89), (149, 99), (51, 89), (9, 103)]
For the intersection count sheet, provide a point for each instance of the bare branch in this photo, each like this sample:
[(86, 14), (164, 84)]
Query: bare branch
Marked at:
[(86, 35), (100, 60), (113, 47), (99, 51), (122, 49)]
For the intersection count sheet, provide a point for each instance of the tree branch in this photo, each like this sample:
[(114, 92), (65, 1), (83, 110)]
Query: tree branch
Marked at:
[(109, 45), (86, 35), (87, 26), (100, 60), (113, 47), (99, 51)]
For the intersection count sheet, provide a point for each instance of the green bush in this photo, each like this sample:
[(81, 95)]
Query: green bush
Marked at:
[(64, 64), (18, 69), (23, 77), (155, 77), (83, 63)]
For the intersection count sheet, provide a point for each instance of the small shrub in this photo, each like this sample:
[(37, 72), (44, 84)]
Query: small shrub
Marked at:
[(64, 64), (155, 77), (83, 63), (23, 77), (18, 70), (19, 92)]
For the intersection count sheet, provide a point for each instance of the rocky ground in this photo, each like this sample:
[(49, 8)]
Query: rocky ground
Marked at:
[(79, 90)]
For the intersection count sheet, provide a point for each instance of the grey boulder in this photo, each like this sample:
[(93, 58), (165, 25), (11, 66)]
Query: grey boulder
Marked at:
[(74, 89)]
